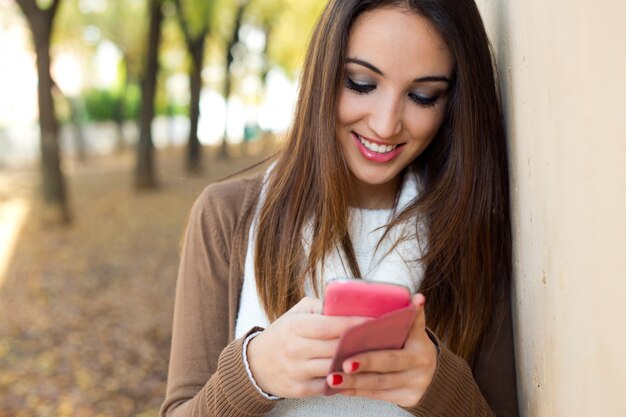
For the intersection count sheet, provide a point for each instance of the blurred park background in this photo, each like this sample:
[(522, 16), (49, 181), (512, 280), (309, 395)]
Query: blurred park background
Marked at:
[(114, 115)]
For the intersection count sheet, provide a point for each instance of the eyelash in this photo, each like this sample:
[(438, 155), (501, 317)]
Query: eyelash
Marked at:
[(366, 88)]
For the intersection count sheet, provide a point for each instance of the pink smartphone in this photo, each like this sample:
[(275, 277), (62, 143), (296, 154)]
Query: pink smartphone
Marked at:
[(356, 297), (389, 306)]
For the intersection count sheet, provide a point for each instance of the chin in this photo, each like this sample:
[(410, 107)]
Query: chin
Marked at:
[(375, 178)]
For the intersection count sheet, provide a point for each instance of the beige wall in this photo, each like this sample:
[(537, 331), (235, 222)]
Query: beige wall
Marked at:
[(563, 73)]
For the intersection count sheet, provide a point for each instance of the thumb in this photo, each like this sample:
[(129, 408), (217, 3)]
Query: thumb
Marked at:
[(419, 301)]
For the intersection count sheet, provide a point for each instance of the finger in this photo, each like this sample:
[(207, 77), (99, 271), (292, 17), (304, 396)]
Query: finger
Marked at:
[(300, 348), (419, 301), (393, 360), (316, 387), (418, 329), (368, 381), (323, 348), (317, 368), (308, 388), (326, 327)]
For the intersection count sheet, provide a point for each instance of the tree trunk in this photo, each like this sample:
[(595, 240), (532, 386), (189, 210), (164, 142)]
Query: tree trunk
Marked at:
[(53, 183), (56, 209), (234, 40), (145, 174), (194, 149)]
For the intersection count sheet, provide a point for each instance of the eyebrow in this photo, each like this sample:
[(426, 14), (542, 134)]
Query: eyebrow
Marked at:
[(429, 78)]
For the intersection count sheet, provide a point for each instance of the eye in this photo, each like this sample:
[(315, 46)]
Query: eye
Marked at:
[(423, 101), (360, 88)]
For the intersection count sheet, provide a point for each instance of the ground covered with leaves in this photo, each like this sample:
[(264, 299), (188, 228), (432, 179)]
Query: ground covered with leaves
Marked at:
[(85, 311)]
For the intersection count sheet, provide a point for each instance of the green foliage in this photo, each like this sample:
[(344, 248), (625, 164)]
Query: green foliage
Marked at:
[(173, 56), (198, 15), (43, 4), (292, 33), (123, 23), (290, 24), (266, 12), (132, 102), (100, 104)]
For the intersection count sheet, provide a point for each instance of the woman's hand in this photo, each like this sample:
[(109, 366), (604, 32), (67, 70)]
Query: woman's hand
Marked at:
[(398, 376), (291, 358)]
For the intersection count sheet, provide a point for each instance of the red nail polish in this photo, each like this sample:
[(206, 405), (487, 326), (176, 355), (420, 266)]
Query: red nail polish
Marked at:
[(337, 379), (355, 366)]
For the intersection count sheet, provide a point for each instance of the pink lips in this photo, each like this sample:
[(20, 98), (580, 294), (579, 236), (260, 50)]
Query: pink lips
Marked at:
[(375, 156)]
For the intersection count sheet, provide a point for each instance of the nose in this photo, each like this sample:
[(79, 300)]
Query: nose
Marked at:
[(386, 118)]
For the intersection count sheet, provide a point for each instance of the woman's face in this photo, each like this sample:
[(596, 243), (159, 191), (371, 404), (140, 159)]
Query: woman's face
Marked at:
[(393, 99)]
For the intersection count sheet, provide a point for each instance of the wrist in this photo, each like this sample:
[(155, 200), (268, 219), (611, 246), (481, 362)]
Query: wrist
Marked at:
[(250, 360)]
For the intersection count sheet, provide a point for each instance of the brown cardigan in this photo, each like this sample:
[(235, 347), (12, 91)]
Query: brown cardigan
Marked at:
[(206, 371)]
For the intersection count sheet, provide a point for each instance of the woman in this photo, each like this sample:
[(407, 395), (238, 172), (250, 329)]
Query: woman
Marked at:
[(394, 170)]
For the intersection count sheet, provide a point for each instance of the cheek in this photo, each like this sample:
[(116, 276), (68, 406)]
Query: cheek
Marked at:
[(349, 109), (426, 124)]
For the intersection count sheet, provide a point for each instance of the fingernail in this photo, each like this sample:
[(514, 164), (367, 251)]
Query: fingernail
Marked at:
[(337, 379), (354, 367)]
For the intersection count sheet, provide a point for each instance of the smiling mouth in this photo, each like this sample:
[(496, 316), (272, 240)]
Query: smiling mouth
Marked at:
[(375, 147)]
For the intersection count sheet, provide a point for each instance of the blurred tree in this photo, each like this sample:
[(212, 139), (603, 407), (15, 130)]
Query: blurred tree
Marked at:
[(145, 177), (290, 23), (230, 57), (40, 16), (195, 19), (88, 25), (68, 23), (123, 23), (173, 97)]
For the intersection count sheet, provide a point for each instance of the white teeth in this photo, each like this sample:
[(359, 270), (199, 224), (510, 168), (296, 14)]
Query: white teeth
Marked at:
[(375, 147)]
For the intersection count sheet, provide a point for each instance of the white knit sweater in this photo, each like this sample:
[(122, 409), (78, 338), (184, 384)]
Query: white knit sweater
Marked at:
[(399, 266)]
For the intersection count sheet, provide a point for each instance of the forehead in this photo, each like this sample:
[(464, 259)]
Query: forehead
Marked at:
[(397, 40)]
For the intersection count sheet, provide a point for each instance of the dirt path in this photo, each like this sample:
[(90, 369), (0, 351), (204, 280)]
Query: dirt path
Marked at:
[(85, 312)]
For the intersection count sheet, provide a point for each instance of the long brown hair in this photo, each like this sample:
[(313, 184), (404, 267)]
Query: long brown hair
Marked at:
[(464, 203)]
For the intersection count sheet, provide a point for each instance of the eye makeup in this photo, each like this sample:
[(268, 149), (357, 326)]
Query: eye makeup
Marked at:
[(425, 101), (361, 87), (356, 83)]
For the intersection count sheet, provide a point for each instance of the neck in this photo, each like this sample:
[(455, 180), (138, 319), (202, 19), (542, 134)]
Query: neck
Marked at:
[(377, 196)]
